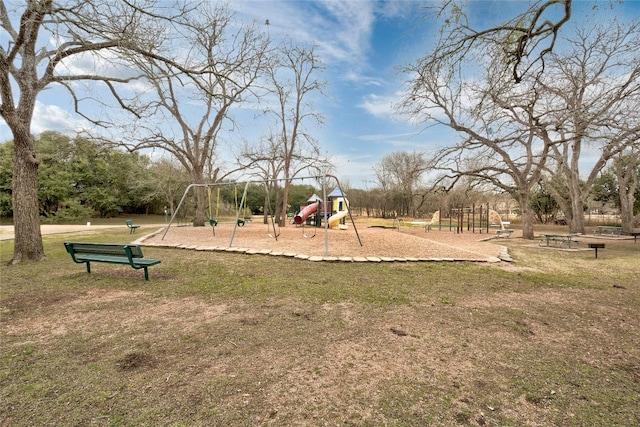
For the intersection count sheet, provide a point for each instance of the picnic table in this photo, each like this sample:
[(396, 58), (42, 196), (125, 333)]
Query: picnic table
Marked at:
[(561, 239)]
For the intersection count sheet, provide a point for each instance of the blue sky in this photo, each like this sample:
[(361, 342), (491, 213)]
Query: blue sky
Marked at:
[(361, 43)]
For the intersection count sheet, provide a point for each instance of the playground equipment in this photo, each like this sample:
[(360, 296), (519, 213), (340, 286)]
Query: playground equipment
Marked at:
[(276, 233), (304, 213), (212, 221), (238, 220), (339, 208), (478, 217), (334, 220)]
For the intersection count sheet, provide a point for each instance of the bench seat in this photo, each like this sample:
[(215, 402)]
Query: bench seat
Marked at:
[(111, 253), (604, 229), (503, 233), (132, 226)]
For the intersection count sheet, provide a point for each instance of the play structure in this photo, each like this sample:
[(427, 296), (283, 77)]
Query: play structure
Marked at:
[(474, 218), (335, 210), (213, 220), (336, 219), (311, 213)]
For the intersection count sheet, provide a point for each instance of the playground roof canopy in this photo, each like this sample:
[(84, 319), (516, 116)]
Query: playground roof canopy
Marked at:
[(314, 198), (337, 193)]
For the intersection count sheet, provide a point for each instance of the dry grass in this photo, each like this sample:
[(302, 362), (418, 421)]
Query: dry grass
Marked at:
[(219, 339)]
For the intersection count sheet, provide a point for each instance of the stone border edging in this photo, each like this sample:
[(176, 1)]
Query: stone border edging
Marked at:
[(503, 256)]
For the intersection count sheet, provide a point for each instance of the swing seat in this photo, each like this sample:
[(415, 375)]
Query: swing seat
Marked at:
[(241, 223), (213, 222)]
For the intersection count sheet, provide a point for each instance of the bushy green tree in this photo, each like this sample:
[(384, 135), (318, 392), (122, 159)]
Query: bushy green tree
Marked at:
[(6, 152), (544, 206), (79, 178), (605, 189)]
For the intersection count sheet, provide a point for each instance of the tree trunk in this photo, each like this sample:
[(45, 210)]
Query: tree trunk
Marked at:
[(625, 170), (266, 209), (527, 215), (628, 219), (26, 213), (199, 206), (576, 225), (285, 198)]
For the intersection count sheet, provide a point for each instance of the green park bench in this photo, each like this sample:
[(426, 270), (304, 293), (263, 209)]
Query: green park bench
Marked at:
[(112, 253), (506, 233), (132, 227), (603, 229)]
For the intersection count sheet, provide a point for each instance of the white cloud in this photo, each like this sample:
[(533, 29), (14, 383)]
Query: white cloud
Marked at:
[(52, 117), (340, 28), (378, 105), (49, 118)]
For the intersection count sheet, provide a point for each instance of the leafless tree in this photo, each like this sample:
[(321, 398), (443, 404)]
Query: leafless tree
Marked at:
[(44, 40), (172, 180), (497, 115), (504, 127), (399, 173), (511, 129), (524, 40), (292, 81), (264, 161), (594, 88), (186, 114)]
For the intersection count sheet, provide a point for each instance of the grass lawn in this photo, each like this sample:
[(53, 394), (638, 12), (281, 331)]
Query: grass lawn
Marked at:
[(223, 339)]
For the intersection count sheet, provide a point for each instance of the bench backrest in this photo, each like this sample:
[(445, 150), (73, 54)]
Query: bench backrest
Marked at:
[(129, 222), (117, 249)]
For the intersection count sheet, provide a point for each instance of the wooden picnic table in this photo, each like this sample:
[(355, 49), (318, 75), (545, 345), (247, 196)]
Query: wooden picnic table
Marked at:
[(562, 239)]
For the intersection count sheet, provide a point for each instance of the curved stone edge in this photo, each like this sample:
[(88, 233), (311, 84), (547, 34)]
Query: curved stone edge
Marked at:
[(504, 255)]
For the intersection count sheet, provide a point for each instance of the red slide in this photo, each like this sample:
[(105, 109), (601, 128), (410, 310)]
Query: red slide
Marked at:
[(304, 213)]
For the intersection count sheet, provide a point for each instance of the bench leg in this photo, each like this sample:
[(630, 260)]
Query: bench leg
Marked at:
[(88, 267), (146, 274)]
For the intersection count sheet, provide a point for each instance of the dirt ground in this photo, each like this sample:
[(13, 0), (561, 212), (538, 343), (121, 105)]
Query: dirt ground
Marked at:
[(408, 243)]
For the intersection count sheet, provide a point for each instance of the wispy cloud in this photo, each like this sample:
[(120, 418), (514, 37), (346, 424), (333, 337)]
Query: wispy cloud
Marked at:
[(378, 105), (52, 117), (340, 28)]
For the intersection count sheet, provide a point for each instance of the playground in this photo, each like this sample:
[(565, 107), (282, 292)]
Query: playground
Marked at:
[(407, 243)]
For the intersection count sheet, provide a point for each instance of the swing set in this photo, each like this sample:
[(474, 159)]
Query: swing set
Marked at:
[(239, 222), (213, 220)]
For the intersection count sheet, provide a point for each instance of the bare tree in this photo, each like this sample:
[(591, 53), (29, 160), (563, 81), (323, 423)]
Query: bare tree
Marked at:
[(399, 173), (186, 114), (595, 89), (504, 127), (496, 116), (266, 162), (524, 40), (172, 180), (292, 80), (510, 130), (42, 40)]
